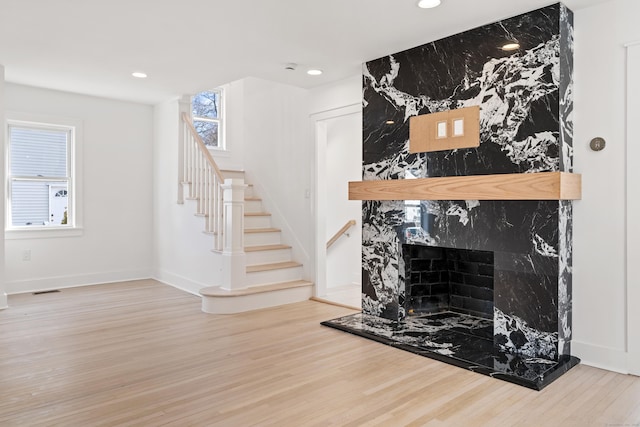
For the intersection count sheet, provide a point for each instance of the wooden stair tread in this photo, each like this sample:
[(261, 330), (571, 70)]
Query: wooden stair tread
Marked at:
[(265, 248), (262, 230), (232, 170), (252, 199), (216, 291), (257, 214), (272, 266)]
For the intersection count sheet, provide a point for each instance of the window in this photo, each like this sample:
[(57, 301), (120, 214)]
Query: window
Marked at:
[(41, 169), (207, 115)]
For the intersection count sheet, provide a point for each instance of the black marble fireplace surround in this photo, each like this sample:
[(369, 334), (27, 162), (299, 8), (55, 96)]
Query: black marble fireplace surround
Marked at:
[(525, 99)]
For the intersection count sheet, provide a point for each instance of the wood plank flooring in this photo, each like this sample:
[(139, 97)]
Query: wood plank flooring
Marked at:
[(143, 354)]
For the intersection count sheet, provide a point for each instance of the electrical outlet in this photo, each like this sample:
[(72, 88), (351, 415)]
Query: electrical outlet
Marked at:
[(26, 255)]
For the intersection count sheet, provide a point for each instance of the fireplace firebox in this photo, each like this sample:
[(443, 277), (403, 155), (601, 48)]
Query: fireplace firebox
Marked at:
[(441, 279)]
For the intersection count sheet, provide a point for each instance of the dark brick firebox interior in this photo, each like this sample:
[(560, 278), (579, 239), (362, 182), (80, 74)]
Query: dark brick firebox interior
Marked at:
[(447, 279)]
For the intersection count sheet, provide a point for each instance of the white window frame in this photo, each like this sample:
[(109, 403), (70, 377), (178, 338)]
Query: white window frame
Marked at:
[(222, 143), (74, 167)]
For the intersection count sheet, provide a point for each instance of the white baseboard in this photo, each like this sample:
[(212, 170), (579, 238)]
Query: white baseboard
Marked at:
[(633, 362), (62, 282), (179, 282), (3, 301), (607, 358), (348, 287)]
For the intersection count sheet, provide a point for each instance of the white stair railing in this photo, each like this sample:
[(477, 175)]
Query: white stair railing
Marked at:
[(198, 168)]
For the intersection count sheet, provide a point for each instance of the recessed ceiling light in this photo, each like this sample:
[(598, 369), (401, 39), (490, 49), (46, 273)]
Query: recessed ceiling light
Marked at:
[(139, 75), (428, 4), (314, 72), (511, 46)]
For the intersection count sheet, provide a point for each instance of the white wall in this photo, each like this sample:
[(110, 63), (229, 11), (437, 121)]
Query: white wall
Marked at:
[(278, 158), (182, 252), (599, 304), (343, 164), (336, 95), (234, 130), (3, 294), (117, 201)]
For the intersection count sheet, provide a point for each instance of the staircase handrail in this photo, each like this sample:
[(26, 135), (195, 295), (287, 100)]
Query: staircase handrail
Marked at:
[(203, 148), (340, 232), (198, 170)]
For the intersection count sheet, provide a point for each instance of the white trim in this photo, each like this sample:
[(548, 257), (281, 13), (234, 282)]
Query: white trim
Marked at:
[(337, 112), (320, 202), (43, 233), (320, 208), (633, 43), (611, 359), (63, 282), (179, 282), (633, 208)]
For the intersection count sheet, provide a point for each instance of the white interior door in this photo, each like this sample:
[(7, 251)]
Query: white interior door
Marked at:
[(633, 207)]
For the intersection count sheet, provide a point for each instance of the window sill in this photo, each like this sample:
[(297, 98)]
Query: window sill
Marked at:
[(42, 233)]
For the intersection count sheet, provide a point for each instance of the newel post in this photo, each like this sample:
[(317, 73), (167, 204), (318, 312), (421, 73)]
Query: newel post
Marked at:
[(233, 257)]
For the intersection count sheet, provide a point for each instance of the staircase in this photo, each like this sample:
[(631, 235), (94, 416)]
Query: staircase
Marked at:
[(258, 273), (271, 276)]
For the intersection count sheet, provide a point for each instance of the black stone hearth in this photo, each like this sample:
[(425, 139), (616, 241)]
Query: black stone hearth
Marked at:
[(459, 340)]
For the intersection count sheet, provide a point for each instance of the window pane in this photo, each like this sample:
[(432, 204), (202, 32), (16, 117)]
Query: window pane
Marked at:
[(206, 105), (208, 131), (38, 152), (39, 203)]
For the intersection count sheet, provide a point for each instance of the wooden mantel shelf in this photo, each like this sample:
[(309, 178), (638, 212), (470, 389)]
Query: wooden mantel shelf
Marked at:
[(520, 186)]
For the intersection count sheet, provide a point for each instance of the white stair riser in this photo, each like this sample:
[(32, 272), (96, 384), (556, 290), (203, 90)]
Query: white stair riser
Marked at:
[(259, 239), (251, 206), (262, 221), (248, 191), (268, 257), (274, 276), (256, 301)]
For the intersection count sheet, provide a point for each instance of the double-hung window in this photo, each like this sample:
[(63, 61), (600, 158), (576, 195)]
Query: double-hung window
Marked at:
[(207, 115), (41, 187)]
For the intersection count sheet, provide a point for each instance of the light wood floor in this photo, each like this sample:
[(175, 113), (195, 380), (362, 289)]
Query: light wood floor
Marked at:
[(143, 354)]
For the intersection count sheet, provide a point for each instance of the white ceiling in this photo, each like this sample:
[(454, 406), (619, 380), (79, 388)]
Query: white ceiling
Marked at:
[(92, 46)]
